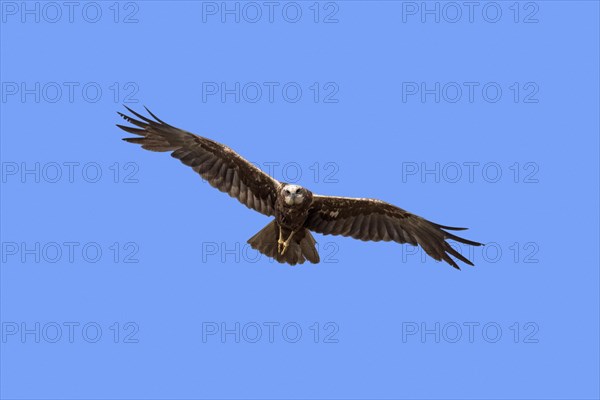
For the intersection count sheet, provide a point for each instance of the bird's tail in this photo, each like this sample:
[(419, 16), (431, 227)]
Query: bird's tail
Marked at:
[(301, 248)]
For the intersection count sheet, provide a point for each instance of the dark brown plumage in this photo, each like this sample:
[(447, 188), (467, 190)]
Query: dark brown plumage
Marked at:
[(296, 210)]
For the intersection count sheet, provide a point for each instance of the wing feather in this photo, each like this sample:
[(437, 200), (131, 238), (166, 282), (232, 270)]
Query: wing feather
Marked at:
[(222, 167), (375, 220)]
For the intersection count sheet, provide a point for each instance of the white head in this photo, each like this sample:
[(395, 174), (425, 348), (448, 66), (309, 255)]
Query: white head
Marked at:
[(293, 194)]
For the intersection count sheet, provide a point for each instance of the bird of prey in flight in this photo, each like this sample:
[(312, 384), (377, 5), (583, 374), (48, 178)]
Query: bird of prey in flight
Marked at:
[(297, 210)]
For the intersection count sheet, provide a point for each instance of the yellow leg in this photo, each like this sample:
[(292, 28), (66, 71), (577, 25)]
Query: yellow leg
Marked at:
[(287, 243), (280, 242)]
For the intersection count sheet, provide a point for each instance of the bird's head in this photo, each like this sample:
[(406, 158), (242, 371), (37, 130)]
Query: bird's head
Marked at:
[(294, 194)]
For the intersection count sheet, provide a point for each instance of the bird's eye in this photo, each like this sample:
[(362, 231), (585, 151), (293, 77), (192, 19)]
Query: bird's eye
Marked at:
[(287, 191), (299, 190)]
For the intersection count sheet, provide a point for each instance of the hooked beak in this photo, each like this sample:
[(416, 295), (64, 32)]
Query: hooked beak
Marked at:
[(290, 199)]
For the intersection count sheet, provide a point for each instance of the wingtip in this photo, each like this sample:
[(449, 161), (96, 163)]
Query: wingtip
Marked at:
[(134, 140), (128, 109), (154, 116), (455, 266), (130, 129), (452, 228)]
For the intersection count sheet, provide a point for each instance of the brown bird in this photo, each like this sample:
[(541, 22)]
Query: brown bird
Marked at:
[(297, 211)]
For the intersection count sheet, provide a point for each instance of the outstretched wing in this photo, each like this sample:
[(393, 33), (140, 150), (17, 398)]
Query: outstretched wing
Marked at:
[(369, 219), (222, 167)]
